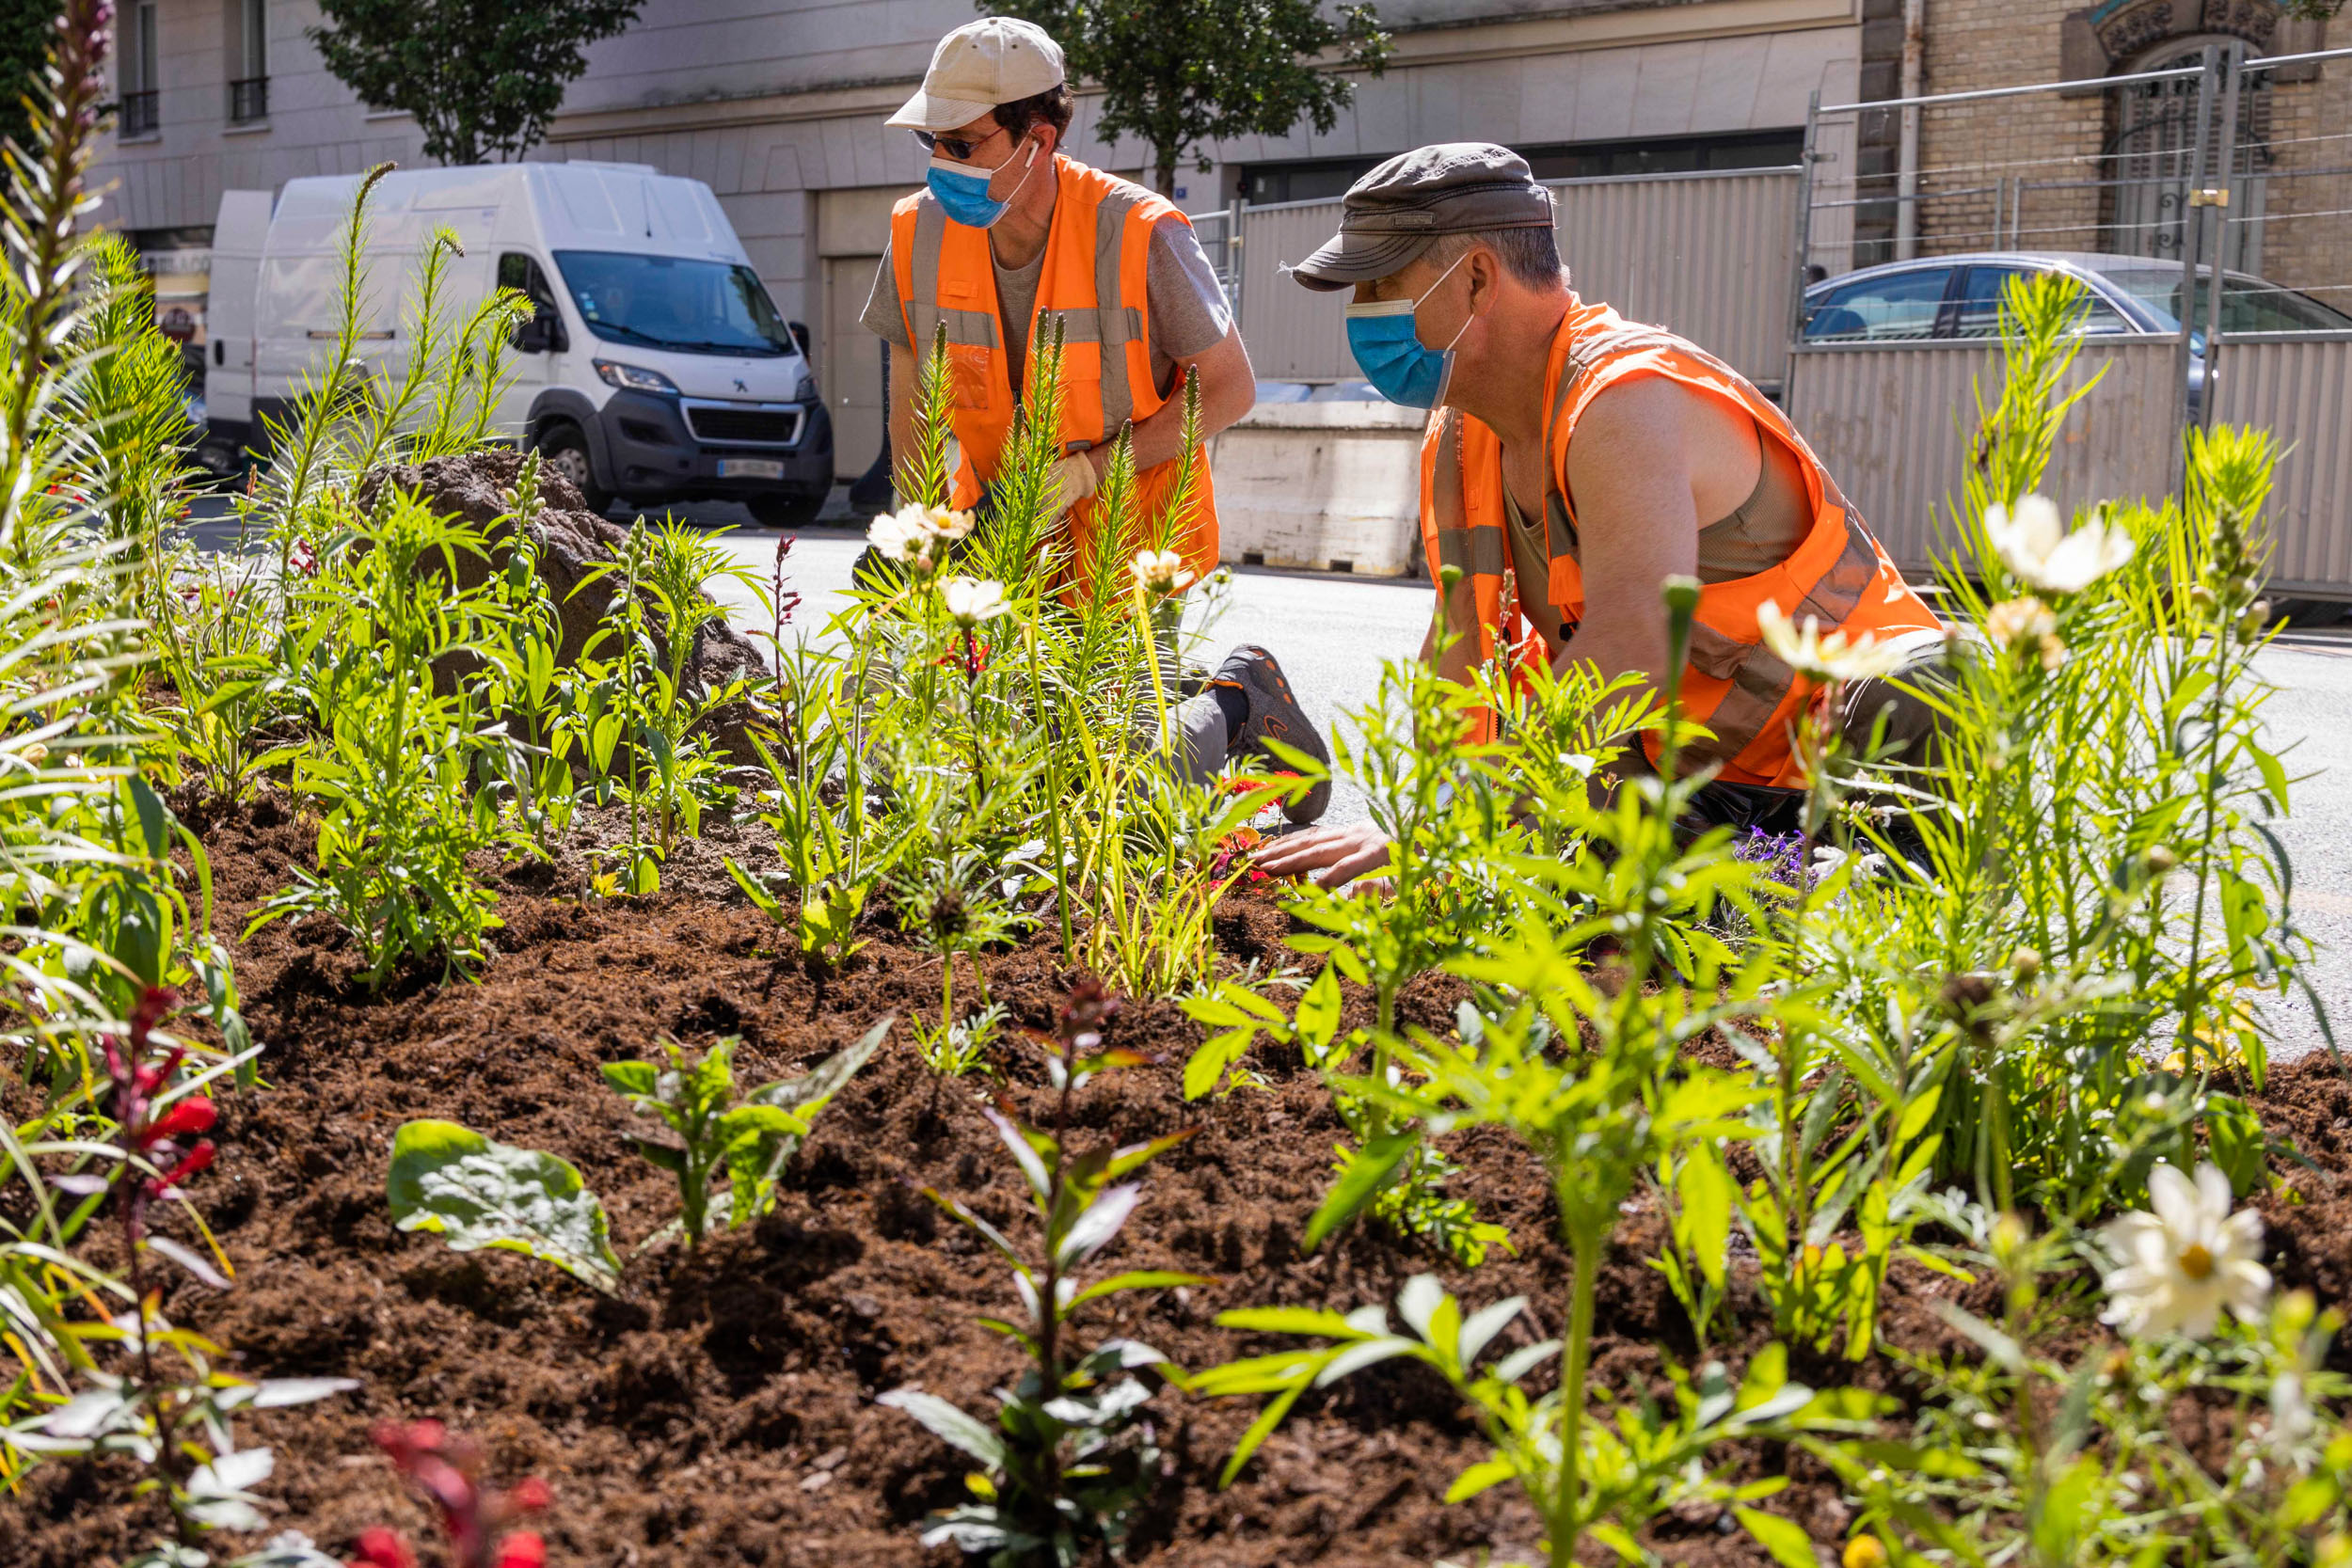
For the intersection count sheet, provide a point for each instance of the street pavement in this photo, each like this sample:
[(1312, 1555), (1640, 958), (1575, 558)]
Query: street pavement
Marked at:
[(1332, 632)]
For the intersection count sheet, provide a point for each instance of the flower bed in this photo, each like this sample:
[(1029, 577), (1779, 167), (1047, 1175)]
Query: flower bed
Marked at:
[(501, 1074)]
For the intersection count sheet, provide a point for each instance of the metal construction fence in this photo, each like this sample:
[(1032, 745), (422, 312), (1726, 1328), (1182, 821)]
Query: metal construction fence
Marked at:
[(1677, 250), (2206, 203)]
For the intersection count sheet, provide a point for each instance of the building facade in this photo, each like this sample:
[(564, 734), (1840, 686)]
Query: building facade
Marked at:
[(778, 105)]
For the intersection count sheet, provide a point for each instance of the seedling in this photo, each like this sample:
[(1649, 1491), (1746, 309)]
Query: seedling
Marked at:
[(714, 1138), (481, 1194), (1072, 1458)]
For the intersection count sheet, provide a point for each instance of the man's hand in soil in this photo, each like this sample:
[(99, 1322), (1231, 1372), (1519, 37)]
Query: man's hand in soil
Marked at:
[(1330, 856)]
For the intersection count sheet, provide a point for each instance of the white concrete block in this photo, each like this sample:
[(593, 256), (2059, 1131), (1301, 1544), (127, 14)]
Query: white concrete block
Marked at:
[(1318, 484)]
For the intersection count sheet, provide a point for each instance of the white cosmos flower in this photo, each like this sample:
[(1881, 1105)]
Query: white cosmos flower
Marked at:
[(1160, 571), (1835, 657), (917, 535), (2183, 1263), (971, 600), (2033, 542)]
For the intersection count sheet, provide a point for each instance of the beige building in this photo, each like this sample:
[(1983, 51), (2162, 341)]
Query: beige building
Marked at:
[(778, 105)]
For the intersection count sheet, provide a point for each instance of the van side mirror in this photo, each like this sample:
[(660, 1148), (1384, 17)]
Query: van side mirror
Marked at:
[(542, 334), (800, 336)]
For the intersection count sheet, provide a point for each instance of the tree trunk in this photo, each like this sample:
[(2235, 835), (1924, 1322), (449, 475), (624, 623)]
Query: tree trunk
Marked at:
[(1164, 171)]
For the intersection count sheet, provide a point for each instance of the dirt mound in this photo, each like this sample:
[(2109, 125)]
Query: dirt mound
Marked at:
[(722, 1410), (569, 542)]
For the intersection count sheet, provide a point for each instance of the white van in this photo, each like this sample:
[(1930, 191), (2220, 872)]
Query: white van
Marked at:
[(657, 368)]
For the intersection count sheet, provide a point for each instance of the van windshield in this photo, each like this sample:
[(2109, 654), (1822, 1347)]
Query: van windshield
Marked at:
[(671, 302)]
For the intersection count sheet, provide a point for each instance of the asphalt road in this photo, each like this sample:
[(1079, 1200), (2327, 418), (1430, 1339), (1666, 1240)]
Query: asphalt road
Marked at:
[(1332, 632)]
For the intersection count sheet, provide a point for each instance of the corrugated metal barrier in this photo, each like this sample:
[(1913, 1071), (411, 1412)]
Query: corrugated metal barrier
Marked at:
[(2300, 387), (1893, 422), (1679, 250)]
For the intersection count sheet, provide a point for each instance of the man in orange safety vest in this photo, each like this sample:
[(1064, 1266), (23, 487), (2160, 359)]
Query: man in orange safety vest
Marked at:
[(1009, 230), (1574, 460)]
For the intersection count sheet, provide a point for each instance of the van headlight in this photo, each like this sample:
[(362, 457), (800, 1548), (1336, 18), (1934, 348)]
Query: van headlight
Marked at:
[(806, 390), (634, 378)]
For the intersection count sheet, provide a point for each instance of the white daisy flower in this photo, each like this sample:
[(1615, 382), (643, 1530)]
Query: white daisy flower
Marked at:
[(971, 600), (1160, 571), (2183, 1263), (1835, 657), (2033, 542)]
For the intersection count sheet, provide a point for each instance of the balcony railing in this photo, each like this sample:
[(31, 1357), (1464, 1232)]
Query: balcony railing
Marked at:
[(248, 101), (139, 117)]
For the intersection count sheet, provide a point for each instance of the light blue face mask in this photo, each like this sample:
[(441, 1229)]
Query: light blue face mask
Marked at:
[(963, 190), (1389, 350)]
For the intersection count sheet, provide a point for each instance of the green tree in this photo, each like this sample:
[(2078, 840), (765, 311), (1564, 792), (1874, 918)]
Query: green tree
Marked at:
[(482, 80), (26, 29), (1178, 73)]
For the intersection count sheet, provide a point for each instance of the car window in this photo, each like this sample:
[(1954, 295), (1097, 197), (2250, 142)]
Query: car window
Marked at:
[(2247, 304), (518, 271), (1894, 306), (2250, 305), (1980, 312)]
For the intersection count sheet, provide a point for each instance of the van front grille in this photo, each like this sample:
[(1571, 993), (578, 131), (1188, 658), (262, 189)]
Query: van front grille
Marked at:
[(778, 427)]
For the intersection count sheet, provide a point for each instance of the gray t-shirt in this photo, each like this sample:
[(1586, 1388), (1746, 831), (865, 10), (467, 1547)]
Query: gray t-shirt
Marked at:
[(1188, 312)]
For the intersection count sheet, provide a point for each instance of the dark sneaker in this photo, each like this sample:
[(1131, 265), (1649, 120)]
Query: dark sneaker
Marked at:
[(1274, 714)]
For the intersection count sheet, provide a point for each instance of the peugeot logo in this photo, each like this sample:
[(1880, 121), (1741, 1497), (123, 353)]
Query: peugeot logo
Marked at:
[(738, 384)]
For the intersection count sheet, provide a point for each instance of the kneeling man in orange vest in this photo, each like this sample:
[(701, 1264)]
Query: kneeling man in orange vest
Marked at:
[(1574, 460), (1008, 231)]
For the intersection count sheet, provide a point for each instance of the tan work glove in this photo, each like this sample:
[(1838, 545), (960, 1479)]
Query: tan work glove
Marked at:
[(1074, 481)]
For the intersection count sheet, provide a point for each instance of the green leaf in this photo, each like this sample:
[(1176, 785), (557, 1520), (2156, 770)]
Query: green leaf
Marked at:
[(1785, 1539), (1477, 1478), (479, 1193), (822, 1082), (1368, 1170), (1288, 1319), (760, 1120), (1319, 1009), (1705, 1190), (631, 1078), (1137, 1280), (949, 1424), (1259, 1430)]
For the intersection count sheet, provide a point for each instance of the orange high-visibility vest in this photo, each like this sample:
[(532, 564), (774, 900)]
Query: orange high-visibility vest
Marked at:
[(1096, 257), (1732, 684)]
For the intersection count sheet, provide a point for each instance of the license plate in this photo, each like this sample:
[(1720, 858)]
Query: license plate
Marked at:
[(750, 467)]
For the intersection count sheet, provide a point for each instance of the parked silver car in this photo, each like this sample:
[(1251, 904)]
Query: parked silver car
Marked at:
[(1958, 296)]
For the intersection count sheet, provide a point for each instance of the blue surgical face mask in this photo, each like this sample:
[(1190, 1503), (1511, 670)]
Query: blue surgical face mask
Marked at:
[(963, 190), (1389, 350)]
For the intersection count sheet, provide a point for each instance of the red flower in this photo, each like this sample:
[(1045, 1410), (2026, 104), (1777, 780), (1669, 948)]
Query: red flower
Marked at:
[(531, 1496), (522, 1550), (193, 1115), (380, 1547), (302, 559)]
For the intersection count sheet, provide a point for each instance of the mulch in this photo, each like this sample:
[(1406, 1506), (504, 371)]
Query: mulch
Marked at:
[(721, 1410)]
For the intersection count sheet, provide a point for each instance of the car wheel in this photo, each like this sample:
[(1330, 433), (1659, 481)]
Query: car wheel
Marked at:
[(784, 513), (564, 450)]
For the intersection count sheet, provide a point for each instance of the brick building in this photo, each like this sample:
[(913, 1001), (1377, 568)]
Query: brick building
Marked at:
[(2108, 168)]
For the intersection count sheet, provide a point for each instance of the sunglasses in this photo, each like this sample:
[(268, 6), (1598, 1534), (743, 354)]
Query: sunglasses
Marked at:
[(955, 146)]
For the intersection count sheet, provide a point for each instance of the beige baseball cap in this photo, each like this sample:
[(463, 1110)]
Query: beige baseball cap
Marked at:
[(997, 60)]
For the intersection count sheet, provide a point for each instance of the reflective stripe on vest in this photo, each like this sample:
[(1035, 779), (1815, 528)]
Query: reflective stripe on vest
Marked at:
[(1838, 574), (1095, 279)]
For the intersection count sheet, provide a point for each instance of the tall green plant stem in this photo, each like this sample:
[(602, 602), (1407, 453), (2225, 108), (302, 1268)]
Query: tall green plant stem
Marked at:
[(1052, 791), (1575, 1359), (2209, 801)]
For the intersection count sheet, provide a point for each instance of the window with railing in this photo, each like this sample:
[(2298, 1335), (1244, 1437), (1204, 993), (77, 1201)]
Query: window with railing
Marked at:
[(139, 114), (247, 25), (248, 101)]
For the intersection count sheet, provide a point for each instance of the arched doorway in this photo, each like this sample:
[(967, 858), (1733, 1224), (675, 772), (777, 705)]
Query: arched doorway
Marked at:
[(2149, 161)]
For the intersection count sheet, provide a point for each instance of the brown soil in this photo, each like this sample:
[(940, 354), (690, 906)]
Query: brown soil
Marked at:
[(721, 1411)]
